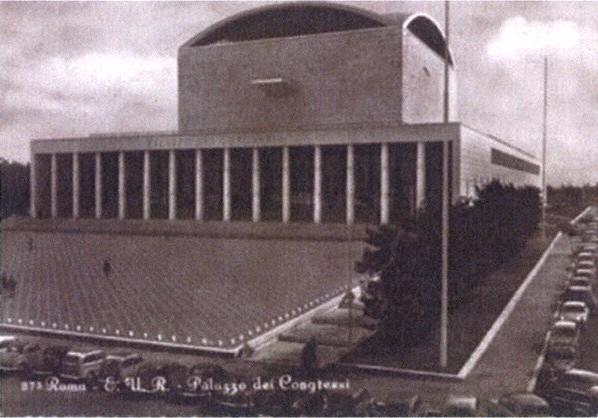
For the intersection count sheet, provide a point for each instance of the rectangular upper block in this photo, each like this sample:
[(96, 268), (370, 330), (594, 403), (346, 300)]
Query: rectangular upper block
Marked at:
[(335, 78)]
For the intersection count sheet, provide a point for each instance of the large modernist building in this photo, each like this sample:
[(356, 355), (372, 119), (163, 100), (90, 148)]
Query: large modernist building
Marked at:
[(299, 124)]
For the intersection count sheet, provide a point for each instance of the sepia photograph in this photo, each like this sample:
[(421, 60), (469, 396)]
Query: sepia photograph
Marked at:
[(298, 208)]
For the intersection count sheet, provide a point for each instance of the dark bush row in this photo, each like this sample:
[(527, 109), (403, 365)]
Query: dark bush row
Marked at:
[(483, 234), (14, 188)]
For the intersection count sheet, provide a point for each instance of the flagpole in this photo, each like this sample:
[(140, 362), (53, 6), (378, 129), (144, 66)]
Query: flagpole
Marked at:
[(544, 131), (445, 204)]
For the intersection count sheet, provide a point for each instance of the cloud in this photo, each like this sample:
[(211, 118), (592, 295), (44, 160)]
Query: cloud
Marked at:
[(520, 38), (514, 67)]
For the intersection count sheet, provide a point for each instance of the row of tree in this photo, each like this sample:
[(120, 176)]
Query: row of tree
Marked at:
[(14, 188), (575, 197), (404, 261)]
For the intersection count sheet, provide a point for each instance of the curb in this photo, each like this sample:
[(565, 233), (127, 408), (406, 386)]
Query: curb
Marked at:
[(402, 372), (186, 347)]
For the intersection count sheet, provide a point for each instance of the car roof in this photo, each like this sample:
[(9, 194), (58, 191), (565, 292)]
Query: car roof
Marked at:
[(581, 373), (578, 288), (527, 398), (461, 401), (7, 338), (574, 303), (563, 323), (401, 396), (82, 352), (559, 349), (122, 354)]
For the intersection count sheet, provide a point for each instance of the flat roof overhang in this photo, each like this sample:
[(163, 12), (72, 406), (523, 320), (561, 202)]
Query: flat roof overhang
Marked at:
[(362, 134)]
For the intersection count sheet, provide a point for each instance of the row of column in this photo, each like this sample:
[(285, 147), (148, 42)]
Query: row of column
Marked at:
[(226, 189)]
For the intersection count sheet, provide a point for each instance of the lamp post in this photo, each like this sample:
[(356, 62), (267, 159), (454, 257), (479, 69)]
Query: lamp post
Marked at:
[(445, 205), (544, 130)]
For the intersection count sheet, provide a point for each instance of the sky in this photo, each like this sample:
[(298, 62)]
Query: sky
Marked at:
[(75, 68)]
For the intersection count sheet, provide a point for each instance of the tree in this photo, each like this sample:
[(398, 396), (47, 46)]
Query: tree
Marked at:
[(8, 285), (14, 188), (394, 292), (403, 263)]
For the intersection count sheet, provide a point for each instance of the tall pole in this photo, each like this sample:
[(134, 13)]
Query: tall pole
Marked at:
[(544, 123), (445, 205)]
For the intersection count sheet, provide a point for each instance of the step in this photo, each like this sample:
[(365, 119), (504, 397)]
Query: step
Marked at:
[(331, 335), (355, 306), (289, 354), (346, 318)]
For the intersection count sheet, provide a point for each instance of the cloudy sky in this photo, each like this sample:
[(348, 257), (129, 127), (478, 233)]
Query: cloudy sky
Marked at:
[(70, 69)]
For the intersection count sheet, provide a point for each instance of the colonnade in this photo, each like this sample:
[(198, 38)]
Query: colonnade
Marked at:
[(227, 198)]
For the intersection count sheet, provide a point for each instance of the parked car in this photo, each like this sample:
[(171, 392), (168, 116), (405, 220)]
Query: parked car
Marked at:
[(309, 404), (48, 360), (119, 366), (13, 357), (560, 357), (5, 340), (580, 281), (235, 403), (461, 406), (346, 404), (585, 256), (149, 379), (519, 404), (583, 272), (201, 377), (581, 294), (549, 381), (575, 403), (564, 333), (82, 364), (398, 404), (275, 403), (176, 376), (574, 311), (585, 264)]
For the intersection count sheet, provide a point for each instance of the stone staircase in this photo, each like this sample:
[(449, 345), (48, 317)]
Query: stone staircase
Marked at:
[(336, 331)]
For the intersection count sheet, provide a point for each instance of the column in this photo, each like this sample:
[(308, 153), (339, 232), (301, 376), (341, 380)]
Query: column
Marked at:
[(122, 203), (53, 186), (226, 203), (146, 185), (171, 185), (384, 185), (317, 184), (286, 186), (98, 185), (350, 192), (33, 186), (420, 176), (255, 185), (198, 186), (76, 184)]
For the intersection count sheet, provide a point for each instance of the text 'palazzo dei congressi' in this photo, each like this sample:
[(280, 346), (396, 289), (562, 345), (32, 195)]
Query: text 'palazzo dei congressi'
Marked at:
[(299, 124)]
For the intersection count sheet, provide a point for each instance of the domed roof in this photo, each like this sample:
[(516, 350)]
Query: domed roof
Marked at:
[(305, 18)]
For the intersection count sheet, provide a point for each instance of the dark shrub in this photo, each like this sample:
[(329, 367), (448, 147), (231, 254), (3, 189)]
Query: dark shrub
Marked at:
[(404, 261)]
